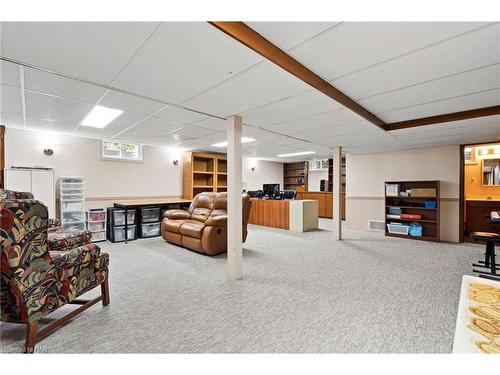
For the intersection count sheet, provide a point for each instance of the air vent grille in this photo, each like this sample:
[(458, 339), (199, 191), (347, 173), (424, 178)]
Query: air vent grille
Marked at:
[(376, 225)]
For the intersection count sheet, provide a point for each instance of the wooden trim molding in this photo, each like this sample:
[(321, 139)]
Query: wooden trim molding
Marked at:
[(449, 117), (382, 198), (253, 40)]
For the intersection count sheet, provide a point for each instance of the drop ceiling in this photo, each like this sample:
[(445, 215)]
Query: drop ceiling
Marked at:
[(177, 81)]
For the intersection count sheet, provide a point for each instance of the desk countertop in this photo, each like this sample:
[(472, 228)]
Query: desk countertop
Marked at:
[(152, 202)]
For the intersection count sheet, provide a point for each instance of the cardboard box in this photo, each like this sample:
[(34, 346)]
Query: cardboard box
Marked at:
[(423, 192)]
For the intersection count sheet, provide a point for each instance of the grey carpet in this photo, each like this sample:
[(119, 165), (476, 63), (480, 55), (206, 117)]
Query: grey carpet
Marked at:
[(300, 293)]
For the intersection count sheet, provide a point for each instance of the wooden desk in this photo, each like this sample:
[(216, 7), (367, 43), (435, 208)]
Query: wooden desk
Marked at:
[(325, 201), (296, 215), (142, 203), (270, 213)]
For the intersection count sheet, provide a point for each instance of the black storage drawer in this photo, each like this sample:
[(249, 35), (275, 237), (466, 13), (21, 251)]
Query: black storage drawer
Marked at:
[(149, 230), (117, 234), (116, 216), (150, 214)]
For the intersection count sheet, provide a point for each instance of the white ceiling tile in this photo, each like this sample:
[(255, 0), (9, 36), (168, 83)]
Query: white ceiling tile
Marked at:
[(289, 34), (45, 107), (470, 51), (457, 85), (213, 123), (211, 139), (155, 127), (130, 103), (302, 105), (9, 73), (11, 120), (351, 46), (91, 50), (193, 131), (122, 122), (462, 103), (53, 84), (180, 114), (333, 118), (10, 100), (183, 59), (262, 84)]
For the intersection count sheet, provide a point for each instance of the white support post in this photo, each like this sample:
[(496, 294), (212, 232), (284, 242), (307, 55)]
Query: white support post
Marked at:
[(234, 201), (337, 193)]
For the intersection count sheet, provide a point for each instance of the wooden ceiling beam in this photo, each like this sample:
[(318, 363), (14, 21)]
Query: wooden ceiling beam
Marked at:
[(449, 117), (253, 40)]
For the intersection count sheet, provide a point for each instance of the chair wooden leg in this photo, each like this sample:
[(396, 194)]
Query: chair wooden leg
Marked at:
[(31, 336), (105, 293)]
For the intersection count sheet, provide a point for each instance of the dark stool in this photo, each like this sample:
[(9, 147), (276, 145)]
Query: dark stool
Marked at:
[(489, 261)]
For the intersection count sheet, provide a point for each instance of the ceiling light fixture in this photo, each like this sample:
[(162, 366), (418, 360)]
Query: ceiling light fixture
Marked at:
[(100, 116), (224, 143), (296, 154)]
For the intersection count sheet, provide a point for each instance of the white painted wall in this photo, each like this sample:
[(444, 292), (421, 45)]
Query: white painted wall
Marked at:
[(366, 174), (314, 178), (266, 172), (156, 176)]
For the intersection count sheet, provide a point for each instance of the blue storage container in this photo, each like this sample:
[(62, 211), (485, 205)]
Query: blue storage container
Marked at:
[(430, 203), (415, 230)]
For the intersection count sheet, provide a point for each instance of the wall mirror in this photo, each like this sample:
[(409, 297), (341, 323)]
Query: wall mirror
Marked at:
[(491, 172)]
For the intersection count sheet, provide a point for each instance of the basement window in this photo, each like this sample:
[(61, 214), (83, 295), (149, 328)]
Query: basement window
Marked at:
[(123, 151)]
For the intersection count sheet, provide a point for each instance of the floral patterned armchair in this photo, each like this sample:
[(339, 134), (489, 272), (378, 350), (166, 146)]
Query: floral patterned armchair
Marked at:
[(36, 281), (58, 238)]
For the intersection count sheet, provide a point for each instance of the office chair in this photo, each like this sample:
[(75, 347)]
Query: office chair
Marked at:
[(288, 194)]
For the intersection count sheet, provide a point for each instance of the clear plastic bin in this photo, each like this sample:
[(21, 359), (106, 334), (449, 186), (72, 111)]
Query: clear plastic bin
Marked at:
[(99, 226), (118, 217), (99, 236), (118, 234), (150, 215), (150, 230)]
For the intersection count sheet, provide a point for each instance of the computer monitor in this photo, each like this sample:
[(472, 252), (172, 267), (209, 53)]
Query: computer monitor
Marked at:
[(271, 190)]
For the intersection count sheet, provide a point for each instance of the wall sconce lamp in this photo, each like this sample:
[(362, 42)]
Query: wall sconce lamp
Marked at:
[(176, 162), (253, 164), (48, 151), (253, 168)]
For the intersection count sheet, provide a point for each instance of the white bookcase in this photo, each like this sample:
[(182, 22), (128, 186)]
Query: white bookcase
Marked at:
[(96, 223), (71, 202)]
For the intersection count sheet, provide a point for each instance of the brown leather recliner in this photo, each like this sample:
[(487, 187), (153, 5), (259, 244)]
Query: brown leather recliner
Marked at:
[(203, 228)]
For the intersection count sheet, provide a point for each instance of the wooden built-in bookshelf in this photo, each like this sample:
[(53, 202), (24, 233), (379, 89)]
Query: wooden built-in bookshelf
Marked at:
[(429, 220), (204, 172), (295, 176)]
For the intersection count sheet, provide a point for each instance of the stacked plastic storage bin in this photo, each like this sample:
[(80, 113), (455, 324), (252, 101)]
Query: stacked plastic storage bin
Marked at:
[(116, 224), (150, 222), (72, 202), (96, 224)]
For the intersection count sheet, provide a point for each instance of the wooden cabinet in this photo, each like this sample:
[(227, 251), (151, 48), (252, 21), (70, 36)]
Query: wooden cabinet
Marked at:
[(325, 201), (204, 172), (477, 213)]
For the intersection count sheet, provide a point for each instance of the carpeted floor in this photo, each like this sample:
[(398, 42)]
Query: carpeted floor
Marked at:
[(300, 293)]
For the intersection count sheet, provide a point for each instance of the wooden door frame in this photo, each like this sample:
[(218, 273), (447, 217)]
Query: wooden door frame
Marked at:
[(461, 195)]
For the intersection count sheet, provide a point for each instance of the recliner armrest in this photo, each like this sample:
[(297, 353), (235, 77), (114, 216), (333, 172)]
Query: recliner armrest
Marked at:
[(220, 220), (81, 255), (177, 214)]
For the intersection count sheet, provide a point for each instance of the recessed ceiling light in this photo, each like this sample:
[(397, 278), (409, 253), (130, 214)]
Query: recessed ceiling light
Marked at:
[(296, 154), (224, 143), (100, 116)]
